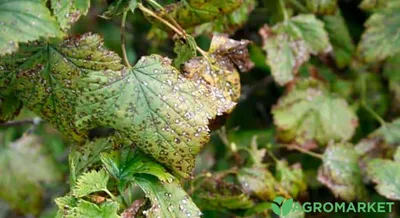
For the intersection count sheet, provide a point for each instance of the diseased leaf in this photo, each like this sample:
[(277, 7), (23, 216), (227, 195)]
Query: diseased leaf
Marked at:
[(289, 45), (213, 194), (45, 77), (68, 12), (24, 169), (381, 39), (322, 6), (168, 200), (309, 113), (228, 57), (390, 132), (10, 107), (258, 181), (86, 209), (89, 182), (185, 50), (118, 7), (163, 113), (228, 23), (189, 13), (339, 36), (291, 178), (391, 72), (24, 21), (386, 175), (340, 172)]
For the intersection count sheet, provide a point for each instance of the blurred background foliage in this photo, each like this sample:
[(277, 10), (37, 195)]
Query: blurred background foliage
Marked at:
[(40, 153)]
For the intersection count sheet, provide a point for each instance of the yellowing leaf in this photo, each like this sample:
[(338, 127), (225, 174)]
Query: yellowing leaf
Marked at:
[(44, 77), (228, 57), (163, 113), (68, 12), (381, 38), (386, 174), (309, 113), (340, 172), (24, 21), (289, 45)]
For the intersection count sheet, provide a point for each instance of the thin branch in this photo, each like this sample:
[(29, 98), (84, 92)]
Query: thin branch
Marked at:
[(366, 106), (126, 61), (34, 121), (302, 150)]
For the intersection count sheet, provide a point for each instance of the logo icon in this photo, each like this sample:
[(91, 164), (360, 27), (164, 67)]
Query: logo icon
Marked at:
[(281, 206)]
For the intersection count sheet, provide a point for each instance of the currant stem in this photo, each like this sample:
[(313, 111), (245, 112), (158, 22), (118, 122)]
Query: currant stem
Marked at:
[(302, 150), (124, 55)]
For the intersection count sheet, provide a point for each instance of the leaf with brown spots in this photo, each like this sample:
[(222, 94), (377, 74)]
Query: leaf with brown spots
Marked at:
[(68, 12), (153, 105), (10, 107), (44, 76), (227, 57)]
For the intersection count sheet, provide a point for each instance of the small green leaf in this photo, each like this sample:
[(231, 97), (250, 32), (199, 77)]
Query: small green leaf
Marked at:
[(322, 6), (258, 181), (291, 178), (381, 39), (68, 12), (45, 77), (287, 206), (340, 172), (25, 169), (309, 113), (24, 21), (118, 7), (89, 182), (386, 174), (339, 35), (163, 113), (87, 209), (168, 200), (185, 50), (10, 107), (289, 45)]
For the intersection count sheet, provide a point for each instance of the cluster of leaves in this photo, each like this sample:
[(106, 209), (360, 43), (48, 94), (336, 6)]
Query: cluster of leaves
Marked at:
[(156, 116)]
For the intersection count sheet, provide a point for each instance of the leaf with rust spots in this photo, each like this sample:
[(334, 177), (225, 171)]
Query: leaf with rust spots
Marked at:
[(68, 12), (228, 57), (309, 112), (10, 107), (289, 44), (153, 105), (340, 172), (24, 21), (189, 13), (44, 77)]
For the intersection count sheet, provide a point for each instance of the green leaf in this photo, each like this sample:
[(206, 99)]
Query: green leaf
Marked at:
[(322, 6), (163, 113), (25, 169), (68, 12), (212, 194), (291, 178), (118, 7), (89, 182), (10, 107), (390, 71), (45, 77), (289, 45), (86, 209), (124, 165), (168, 200), (340, 172), (386, 174), (185, 50), (24, 21), (221, 70), (381, 38), (189, 13), (258, 181), (342, 43), (390, 132), (65, 203), (309, 113), (87, 156), (370, 5), (396, 156)]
